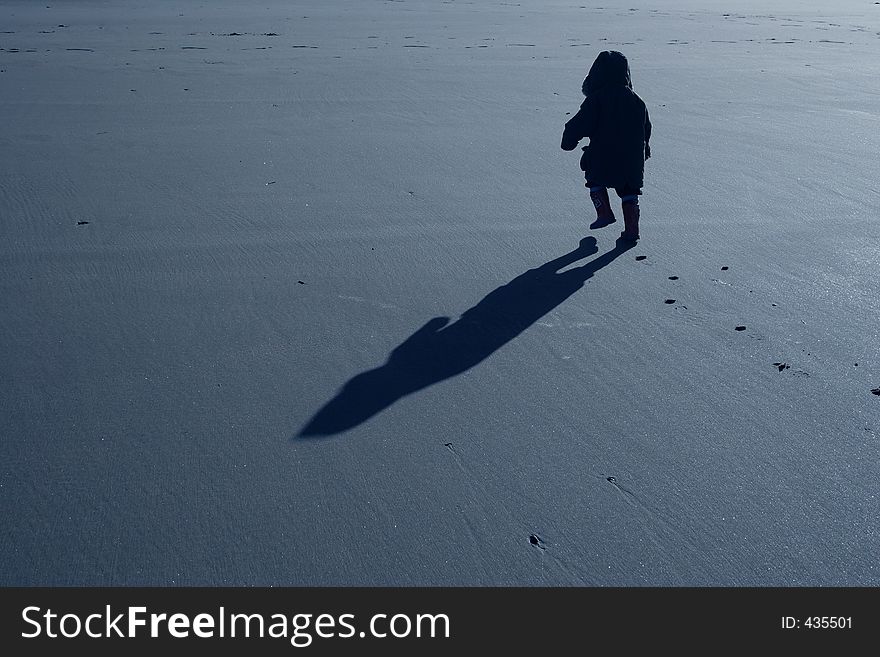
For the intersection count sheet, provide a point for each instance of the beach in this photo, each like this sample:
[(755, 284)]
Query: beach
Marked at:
[(304, 293)]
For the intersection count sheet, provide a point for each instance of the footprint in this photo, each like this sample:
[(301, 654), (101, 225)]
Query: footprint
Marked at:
[(725, 268), (673, 278), (537, 541), (739, 328), (785, 366), (642, 257), (876, 391), (669, 301)]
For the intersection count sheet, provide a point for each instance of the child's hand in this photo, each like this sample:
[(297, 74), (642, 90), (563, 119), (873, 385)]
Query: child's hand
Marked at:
[(569, 144)]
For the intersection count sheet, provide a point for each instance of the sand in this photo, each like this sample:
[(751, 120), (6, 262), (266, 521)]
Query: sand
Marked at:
[(299, 293)]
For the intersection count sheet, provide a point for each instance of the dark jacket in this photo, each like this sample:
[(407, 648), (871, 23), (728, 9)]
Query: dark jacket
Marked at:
[(616, 121)]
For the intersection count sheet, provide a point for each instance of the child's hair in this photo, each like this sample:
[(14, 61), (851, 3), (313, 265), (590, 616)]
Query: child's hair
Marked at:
[(611, 68)]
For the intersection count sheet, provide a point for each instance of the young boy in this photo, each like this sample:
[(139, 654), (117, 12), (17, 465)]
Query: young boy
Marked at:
[(616, 121)]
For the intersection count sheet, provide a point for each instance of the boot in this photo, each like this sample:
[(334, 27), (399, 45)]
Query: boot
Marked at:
[(604, 214), (630, 221)]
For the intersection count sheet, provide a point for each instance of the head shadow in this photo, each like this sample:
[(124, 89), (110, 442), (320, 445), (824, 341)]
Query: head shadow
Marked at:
[(440, 350)]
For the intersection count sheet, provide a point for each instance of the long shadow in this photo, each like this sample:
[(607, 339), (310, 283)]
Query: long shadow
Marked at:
[(440, 350)]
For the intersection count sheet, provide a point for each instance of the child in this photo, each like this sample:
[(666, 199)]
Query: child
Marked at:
[(616, 121)]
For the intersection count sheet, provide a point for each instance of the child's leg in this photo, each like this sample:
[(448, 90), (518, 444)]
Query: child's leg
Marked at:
[(629, 199), (604, 214)]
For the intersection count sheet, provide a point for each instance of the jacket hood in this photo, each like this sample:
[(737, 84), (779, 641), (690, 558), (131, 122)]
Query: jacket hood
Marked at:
[(611, 69)]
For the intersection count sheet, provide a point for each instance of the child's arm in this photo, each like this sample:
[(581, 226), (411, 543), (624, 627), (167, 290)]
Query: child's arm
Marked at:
[(579, 126), (647, 134), (570, 136)]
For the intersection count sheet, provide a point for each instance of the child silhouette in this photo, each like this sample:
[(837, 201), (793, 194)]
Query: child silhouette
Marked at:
[(615, 119)]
